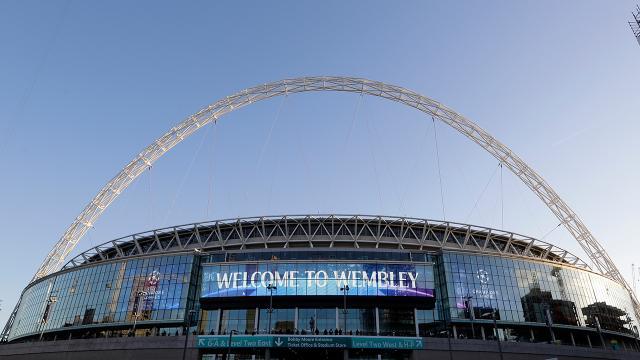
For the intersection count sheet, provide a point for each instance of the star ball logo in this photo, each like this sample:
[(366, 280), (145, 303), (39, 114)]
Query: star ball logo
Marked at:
[(483, 276), (153, 279)]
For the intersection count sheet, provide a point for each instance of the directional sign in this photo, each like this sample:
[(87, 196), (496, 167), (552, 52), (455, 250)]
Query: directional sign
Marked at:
[(311, 342), (238, 341), (384, 342)]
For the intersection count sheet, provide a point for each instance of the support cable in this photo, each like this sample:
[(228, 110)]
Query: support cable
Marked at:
[(375, 166), (185, 175), (8, 133), (273, 173), (416, 161), (501, 199), (435, 137), (93, 243), (387, 164), (353, 122), (265, 144), (552, 230), (211, 168), (268, 138), (493, 174), (307, 162), (150, 198), (347, 138)]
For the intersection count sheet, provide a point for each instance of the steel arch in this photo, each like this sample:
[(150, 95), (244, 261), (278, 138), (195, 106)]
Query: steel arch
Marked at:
[(213, 112)]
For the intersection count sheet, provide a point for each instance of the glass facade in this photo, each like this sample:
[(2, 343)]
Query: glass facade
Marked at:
[(360, 321), (149, 289), (521, 291), (282, 321), (421, 293), (312, 320), (243, 321)]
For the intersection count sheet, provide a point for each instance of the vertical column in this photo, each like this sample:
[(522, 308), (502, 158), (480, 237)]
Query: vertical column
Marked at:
[(533, 338), (218, 320), (455, 332), (573, 341), (589, 340), (256, 321), (484, 337), (295, 320), (337, 318), (377, 321), (415, 319)]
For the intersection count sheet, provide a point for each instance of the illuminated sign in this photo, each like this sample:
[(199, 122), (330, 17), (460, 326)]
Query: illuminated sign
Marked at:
[(370, 279)]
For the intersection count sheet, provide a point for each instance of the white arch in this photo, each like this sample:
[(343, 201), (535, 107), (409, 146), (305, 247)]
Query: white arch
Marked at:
[(432, 108)]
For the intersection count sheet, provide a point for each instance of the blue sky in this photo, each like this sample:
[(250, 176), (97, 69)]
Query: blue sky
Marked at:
[(84, 86)]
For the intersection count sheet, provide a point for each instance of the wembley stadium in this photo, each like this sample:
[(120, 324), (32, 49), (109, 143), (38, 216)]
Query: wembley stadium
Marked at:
[(325, 286)]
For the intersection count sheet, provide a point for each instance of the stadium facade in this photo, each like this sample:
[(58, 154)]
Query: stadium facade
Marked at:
[(334, 285)]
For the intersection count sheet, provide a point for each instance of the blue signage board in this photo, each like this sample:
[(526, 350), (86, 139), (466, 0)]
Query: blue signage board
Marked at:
[(317, 279), (237, 341), (310, 342), (395, 343)]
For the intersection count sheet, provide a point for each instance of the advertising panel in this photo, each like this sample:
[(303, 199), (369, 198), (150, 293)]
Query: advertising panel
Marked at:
[(317, 279)]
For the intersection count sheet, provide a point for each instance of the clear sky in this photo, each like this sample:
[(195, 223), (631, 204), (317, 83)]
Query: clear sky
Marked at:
[(85, 85)]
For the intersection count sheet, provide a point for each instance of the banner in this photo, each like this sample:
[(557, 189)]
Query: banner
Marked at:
[(313, 279)]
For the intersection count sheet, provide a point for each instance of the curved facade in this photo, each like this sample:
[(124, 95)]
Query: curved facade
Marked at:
[(351, 277)]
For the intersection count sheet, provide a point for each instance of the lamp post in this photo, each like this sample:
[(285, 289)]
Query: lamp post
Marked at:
[(136, 311), (549, 320), (599, 331), (446, 327), (226, 356), (45, 316), (495, 328), (471, 314), (190, 318), (345, 290), (271, 288)]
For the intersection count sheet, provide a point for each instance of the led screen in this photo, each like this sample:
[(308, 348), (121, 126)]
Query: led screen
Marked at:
[(313, 279)]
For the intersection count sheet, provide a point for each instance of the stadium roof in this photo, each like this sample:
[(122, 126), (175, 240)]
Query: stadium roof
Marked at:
[(326, 231)]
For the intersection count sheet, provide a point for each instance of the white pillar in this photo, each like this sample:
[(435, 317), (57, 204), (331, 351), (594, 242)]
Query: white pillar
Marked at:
[(455, 332), (295, 320), (377, 322), (415, 320), (589, 340), (573, 341), (482, 332)]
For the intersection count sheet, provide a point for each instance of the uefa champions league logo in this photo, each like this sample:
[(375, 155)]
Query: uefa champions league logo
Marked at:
[(483, 276), (153, 278), (486, 291)]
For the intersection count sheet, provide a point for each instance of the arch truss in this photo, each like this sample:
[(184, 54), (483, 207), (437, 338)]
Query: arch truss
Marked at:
[(568, 218)]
